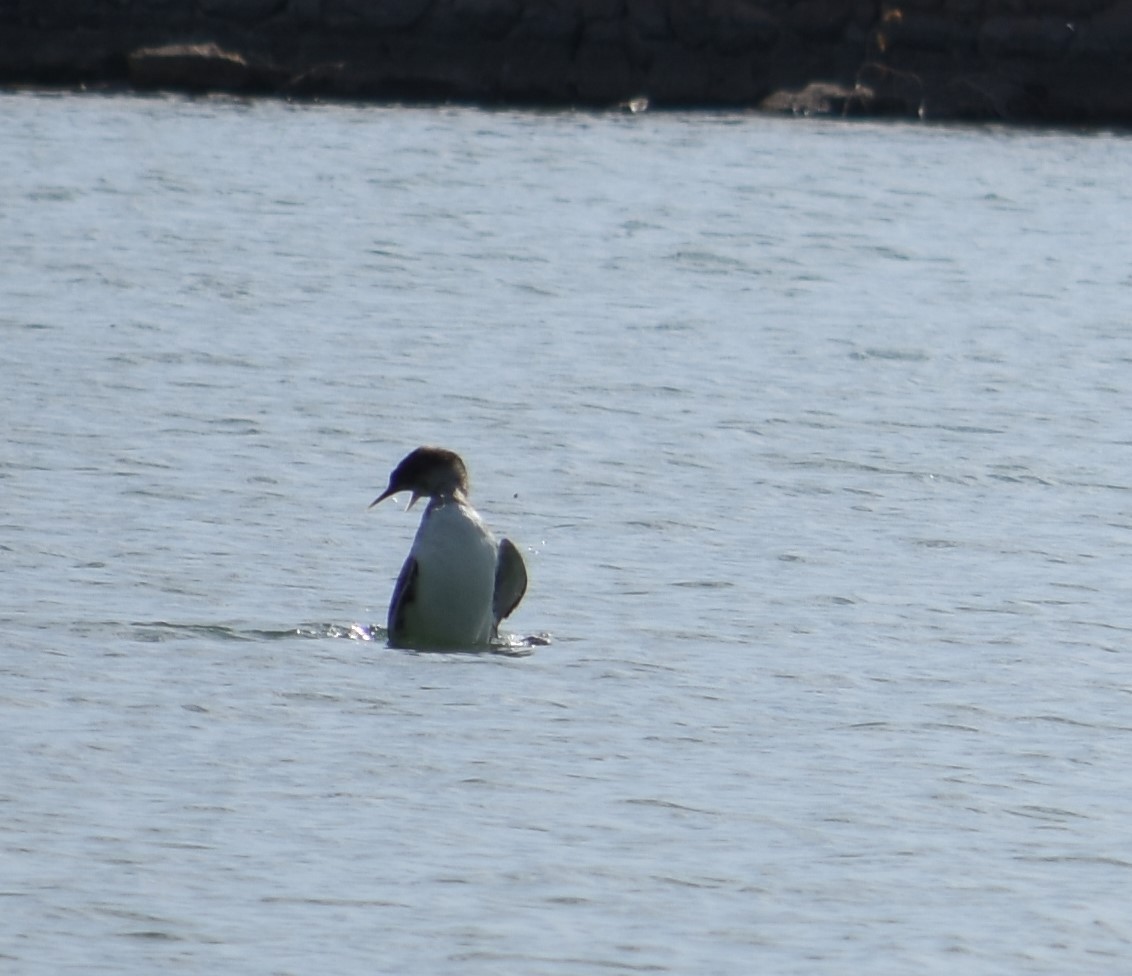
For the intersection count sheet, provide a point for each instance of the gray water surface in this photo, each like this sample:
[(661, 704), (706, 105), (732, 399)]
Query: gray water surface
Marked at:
[(815, 438)]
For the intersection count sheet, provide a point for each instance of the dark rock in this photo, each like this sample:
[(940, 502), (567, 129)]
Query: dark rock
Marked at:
[(1106, 36), (893, 91), (730, 26), (476, 18), (819, 18), (165, 14), (918, 31), (536, 71), (601, 9), (967, 11), (240, 11), (648, 19), (1039, 38), (1028, 60), (73, 58), (735, 83), (745, 26), (691, 21), (556, 20), (602, 73), (53, 14), (375, 14), (975, 95), (300, 13), (677, 75), (1069, 9)]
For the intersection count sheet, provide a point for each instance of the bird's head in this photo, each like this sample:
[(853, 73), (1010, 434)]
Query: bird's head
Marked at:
[(428, 472)]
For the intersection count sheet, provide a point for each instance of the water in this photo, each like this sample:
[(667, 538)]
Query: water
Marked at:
[(815, 438)]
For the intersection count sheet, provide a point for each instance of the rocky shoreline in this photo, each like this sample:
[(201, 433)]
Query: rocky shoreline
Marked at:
[(1032, 61)]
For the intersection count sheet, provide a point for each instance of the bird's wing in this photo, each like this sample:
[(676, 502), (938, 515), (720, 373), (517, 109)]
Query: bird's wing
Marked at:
[(510, 581), (404, 593)]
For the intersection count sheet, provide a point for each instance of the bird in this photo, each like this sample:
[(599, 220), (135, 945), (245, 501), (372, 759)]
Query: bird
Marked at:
[(457, 583)]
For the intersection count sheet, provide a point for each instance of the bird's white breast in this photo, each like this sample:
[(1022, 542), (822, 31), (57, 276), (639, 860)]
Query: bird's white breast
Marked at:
[(456, 557)]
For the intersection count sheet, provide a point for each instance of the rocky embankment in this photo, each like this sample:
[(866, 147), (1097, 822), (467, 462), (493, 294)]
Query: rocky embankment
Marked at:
[(1020, 60)]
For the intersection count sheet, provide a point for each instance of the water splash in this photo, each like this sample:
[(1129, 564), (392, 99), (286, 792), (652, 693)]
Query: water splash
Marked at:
[(159, 631)]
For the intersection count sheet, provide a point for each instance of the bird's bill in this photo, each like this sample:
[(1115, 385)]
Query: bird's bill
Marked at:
[(393, 491), (380, 498)]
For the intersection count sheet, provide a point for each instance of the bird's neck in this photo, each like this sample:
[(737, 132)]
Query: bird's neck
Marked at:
[(453, 496)]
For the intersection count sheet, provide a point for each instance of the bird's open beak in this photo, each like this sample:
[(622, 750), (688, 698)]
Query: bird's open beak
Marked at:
[(393, 491), (380, 498)]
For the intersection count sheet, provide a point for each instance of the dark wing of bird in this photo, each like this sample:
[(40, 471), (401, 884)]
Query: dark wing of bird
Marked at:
[(404, 593), (510, 581)]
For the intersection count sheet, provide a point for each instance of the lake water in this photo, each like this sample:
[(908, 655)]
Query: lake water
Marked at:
[(816, 438)]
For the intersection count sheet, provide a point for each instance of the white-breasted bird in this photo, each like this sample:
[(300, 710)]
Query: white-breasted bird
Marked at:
[(457, 584)]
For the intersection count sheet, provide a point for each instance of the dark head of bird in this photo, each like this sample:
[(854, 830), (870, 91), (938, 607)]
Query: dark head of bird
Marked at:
[(428, 472)]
